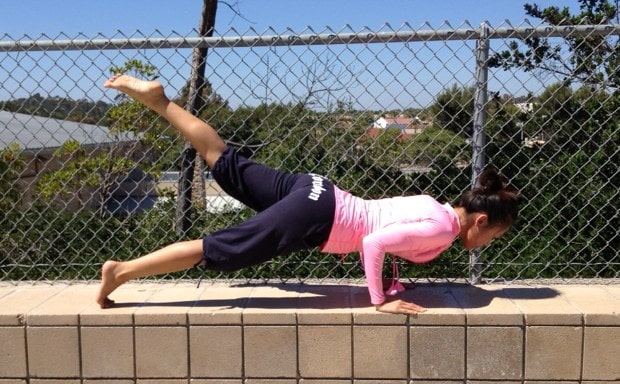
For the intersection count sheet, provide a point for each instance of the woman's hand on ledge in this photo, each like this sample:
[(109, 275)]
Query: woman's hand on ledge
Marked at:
[(399, 306)]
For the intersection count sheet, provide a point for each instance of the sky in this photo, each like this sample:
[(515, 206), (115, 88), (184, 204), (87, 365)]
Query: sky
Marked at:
[(29, 19), (85, 19)]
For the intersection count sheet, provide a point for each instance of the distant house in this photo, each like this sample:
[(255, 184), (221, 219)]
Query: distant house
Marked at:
[(39, 138), (525, 107), (407, 126)]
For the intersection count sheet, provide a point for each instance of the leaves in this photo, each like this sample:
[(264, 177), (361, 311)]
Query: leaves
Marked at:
[(137, 137), (11, 166), (589, 60)]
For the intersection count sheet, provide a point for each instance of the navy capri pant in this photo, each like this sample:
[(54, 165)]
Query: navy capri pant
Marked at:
[(294, 212)]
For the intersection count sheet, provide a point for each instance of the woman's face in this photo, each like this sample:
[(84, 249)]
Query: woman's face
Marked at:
[(479, 233)]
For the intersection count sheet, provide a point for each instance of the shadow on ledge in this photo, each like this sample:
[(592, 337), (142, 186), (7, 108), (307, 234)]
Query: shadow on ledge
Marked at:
[(322, 296)]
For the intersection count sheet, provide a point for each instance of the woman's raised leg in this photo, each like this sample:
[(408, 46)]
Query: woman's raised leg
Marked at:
[(151, 93), (204, 138)]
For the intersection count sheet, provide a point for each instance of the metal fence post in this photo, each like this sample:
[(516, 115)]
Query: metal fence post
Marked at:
[(478, 139)]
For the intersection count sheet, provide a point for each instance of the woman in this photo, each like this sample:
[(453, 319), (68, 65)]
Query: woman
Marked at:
[(300, 211)]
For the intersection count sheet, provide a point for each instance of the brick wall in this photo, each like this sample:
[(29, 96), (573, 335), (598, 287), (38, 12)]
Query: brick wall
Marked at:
[(177, 333)]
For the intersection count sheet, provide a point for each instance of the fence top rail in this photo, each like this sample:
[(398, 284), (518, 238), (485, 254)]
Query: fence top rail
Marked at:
[(484, 31)]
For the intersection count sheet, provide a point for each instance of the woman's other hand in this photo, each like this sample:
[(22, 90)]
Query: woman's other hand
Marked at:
[(399, 306)]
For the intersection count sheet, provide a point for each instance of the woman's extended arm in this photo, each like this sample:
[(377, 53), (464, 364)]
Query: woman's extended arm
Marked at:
[(400, 238)]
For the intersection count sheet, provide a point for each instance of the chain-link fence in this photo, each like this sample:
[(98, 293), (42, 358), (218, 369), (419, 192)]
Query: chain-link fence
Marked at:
[(87, 175)]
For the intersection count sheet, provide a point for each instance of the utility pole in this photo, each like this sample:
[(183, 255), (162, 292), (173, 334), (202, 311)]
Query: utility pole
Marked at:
[(195, 103)]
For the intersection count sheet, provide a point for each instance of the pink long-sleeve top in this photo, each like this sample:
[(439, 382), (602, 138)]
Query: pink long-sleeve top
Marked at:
[(415, 228)]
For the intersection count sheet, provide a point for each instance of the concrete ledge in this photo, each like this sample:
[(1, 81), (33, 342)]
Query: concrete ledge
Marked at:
[(306, 333)]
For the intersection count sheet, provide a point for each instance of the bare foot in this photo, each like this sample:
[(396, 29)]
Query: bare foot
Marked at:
[(109, 283), (150, 93)]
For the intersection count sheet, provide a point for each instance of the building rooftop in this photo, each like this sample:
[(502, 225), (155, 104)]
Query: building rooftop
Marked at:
[(35, 133)]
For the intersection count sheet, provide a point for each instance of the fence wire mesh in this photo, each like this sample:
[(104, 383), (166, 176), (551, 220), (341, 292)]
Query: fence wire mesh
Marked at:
[(88, 175)]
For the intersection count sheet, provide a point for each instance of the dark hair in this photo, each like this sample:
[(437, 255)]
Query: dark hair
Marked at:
[(492, 196)]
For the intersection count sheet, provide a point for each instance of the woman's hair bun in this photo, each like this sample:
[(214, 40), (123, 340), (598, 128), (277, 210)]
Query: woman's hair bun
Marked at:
[(493, 197), (489, 181)]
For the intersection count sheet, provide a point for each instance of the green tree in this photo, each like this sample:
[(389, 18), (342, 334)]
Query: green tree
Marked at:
[(569, 178), (11, 165), (100, 169), (83, 111), (442, 156), (567, 154), (453, 110), (593, 60)]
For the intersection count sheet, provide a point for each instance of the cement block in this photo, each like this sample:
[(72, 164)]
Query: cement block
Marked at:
[(324, 304), (13, 352), (381, 382), (597, 303), (64, 307), (161, 352), (219, 304), (487, 305), (107, 352), (494, 353), (553, 353), (380, 351), (272, 304), (53, 352), (168, 305), (437, 352), (441, 306), (601, 353), (325, 351), (270, 351), (216, 351), (544, 306), (128, 297), (13, 381), (19, 301)]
